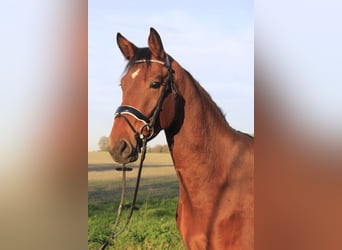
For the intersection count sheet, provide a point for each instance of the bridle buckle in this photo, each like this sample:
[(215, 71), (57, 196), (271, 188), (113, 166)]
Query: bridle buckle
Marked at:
[(149, 129)]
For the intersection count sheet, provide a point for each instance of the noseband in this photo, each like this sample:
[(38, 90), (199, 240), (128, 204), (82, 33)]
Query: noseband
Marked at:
[(150, 120)]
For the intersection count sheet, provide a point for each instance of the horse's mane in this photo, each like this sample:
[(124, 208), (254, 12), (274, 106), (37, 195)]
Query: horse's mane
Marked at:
[(145, 54), (206, 96)]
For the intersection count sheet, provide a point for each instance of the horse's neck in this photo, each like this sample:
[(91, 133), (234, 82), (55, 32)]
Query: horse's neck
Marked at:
[(199, 143)]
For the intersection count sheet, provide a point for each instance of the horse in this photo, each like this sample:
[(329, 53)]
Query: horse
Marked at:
[(214, 163)]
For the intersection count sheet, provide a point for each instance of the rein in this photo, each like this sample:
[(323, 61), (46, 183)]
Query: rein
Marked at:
[(132, 206), (141, 140)]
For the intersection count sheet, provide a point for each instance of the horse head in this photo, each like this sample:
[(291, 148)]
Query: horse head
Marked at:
[(147, 106)]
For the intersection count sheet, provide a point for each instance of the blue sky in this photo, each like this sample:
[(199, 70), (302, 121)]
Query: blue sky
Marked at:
[(213, 40)]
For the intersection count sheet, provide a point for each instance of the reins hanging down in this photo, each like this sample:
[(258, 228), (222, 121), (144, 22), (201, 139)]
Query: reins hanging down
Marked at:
[(116, 232), (141, 139)]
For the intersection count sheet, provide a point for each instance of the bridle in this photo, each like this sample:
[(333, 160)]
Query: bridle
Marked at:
[(149, 123), (150, 120)]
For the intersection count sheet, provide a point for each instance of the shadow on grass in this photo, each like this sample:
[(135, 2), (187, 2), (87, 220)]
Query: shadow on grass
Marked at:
[(109, 192), (102, 167), (107, 167)]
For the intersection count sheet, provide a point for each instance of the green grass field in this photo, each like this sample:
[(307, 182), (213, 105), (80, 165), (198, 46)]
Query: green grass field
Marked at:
[(154, 225)]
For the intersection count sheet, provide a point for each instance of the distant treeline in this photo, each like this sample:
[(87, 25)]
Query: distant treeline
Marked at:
[(104, 146), (158, 149)]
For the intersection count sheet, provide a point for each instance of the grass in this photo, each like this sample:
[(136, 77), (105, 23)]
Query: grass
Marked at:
[(153, 226)]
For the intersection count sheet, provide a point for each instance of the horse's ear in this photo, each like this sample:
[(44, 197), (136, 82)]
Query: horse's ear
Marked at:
[(155, 45), (127, 48)]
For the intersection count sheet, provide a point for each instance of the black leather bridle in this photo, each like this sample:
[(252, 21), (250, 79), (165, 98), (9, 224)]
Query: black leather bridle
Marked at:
[(150, 120)]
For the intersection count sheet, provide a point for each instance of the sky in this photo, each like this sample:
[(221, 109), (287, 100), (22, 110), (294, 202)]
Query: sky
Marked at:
[(213, 40)]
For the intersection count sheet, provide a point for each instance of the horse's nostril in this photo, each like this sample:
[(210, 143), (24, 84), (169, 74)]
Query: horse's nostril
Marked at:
[(123, 152), (124, 148)]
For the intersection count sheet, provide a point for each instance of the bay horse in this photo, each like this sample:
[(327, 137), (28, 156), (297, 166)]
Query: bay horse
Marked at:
[(214, 163)]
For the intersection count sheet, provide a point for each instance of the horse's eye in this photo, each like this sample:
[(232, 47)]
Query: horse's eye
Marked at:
[(155, 85)]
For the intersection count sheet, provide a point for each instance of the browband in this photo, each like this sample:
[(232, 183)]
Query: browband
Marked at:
[(167, 64), (150, 60)]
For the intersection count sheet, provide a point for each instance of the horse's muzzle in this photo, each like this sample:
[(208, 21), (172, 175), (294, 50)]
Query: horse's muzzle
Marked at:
[(124, 152)]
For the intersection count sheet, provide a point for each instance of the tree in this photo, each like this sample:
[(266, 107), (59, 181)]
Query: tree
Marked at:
[(158, 149), (104, 143)]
